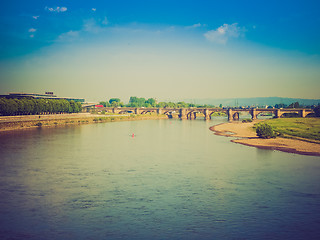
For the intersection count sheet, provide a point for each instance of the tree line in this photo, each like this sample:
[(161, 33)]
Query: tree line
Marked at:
[(150, 102), (30, 106)]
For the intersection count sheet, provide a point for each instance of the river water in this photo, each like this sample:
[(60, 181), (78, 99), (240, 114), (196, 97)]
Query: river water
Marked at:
[(173, 180)]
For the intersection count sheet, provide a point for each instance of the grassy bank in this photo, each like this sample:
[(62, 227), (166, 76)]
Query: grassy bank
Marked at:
[(307, 128)]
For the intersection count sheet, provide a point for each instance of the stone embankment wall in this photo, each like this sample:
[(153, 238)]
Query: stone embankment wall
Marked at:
[(60, 120)]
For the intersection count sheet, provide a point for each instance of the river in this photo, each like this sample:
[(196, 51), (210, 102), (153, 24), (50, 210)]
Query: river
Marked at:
[(172, 180)]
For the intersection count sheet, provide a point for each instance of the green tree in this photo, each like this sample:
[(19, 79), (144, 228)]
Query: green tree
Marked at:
[(182, 105), (112, 100), (280, 105), (3, 106), (317, 111), (294, 105), (73, 107), (78, 107), (161, 105), (151, 102), (12, 107), (264, 130), (103, 103)]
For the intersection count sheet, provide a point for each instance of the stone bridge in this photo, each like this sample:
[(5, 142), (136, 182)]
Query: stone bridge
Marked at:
[(191, 113)]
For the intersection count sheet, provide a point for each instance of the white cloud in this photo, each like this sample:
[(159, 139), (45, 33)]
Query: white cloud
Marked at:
[(93, 9), (222, 34), (57, 9), (35, 17), (194, 26), (63, 9), (68, 36), (32, 30), (91, 26)]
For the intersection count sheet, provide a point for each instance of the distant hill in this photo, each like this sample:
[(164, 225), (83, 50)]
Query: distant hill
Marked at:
[(259, 101)]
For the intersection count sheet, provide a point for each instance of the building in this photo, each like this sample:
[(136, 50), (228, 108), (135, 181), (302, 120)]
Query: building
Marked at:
[(46, 95)]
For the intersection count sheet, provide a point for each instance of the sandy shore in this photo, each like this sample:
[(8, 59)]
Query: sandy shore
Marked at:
[(246, 135)]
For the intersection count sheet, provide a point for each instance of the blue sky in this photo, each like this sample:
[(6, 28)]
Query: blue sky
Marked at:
[(165, 49)]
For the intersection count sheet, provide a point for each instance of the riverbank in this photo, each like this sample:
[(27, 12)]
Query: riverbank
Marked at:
[(246, 135), (11, 123)]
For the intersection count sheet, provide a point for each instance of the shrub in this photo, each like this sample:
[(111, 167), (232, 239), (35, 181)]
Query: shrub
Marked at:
[(39, 124), (264, 130), (247, 120)]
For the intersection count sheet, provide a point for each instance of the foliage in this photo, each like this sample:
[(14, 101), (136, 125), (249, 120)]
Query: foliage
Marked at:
[(247, 120), (103, 103), (215, 114), (115, 102), (298, 127), (111, 100), (280, 105), (30, 106), (317, 111), (141, 102), (294, 105), (264, 130)]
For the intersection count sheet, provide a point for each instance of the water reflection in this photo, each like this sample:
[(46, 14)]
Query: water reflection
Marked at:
[(264, 154)]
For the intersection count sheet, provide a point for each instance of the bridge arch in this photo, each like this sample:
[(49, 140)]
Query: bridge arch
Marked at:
[(192, 114), (147, 111), (125, 111), (168, 113), (217, 111), (258, 113), (291, 114), (236, 116), (310, 114)]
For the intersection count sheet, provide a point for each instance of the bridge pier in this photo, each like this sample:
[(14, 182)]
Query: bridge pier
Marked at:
[(183, 114), (206, 114), (137, 111), (303, 113), (159, 111), (230, 114), (277, 113), (253, 113), (192, 115)]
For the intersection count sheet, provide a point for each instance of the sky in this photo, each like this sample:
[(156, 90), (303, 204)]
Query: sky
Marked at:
[(169, 50)]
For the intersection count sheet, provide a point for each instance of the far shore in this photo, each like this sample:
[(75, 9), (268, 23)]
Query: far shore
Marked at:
[(12, 123), (245, 134)]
